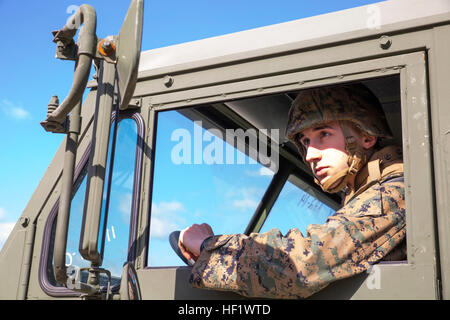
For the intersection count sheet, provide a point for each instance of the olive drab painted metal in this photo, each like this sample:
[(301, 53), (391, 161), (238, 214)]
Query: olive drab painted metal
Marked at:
[(125, 65), (83, 52), (404, 60), (91, 245), (129, 52), (57, 117)]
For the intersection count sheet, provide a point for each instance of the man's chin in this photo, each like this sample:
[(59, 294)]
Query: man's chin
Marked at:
[(327, 178), (323, 179)]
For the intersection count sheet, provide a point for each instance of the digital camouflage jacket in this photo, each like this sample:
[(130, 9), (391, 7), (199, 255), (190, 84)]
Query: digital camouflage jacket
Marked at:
[(361, 233)]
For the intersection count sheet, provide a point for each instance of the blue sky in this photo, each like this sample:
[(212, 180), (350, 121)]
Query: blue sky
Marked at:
[(30, 75)]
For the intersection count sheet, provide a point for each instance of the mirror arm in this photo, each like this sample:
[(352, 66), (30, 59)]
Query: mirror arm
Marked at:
[(83, 53), (62, 224), (56, 119)]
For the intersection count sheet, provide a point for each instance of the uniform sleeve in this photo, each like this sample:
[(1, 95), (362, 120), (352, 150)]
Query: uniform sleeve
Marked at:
[(294, 266)]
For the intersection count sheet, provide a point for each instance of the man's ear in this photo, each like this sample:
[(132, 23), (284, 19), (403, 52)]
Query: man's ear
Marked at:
[(368, 141)]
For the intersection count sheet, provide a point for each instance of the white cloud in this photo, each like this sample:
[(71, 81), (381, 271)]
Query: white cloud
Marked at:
[(245, 198), (13, 110), (243, 192), (5, 230), (263, 171), (166, 218), (165, 207), (123, 178), (5, 227), (125, 206), (245, 203), (19, 113)]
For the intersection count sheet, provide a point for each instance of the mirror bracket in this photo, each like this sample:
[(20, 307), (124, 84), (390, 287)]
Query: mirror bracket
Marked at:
[(91, 289)]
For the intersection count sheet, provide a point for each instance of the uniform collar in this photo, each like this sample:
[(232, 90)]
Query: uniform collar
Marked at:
[(382, 163)]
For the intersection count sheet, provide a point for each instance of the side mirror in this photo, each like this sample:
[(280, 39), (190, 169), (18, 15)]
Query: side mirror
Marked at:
[(129, 286)]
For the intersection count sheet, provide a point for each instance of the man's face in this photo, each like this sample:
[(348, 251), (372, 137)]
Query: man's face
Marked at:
[(325, 150)]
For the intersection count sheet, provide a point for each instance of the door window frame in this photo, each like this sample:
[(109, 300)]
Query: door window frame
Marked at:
[(80, 169), (417, 276)]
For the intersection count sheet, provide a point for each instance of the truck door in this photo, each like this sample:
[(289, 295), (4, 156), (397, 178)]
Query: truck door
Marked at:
[(400, 81)]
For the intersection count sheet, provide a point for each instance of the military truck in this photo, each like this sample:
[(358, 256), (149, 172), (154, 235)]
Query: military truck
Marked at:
[(195, 131)]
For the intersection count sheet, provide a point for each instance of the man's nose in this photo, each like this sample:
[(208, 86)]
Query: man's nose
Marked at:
[(312, 154)]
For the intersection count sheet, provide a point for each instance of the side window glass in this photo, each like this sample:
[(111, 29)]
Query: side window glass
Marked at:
[(199, 178), (295, 208), (117, 229), (118, 203)]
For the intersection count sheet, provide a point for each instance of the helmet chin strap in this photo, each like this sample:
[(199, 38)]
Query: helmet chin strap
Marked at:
[(357, 157)]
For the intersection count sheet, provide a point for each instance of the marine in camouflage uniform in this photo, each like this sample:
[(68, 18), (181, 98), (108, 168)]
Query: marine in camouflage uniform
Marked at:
[(365, 230)]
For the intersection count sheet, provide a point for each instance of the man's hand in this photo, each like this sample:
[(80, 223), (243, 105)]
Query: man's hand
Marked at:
[(191, 239)]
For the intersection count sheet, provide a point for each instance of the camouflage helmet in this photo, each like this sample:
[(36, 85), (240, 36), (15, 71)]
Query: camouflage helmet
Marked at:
[(351, 102)]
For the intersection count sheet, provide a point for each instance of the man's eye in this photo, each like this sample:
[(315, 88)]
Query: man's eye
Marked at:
[(304, 142), (324, 134)]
